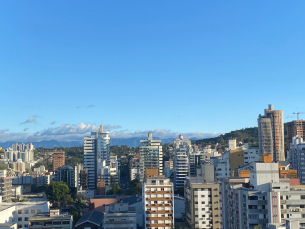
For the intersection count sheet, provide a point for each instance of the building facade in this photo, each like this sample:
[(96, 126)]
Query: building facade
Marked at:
[(120, 215), (271, 134), (96, 150), (295, 128), (58, 159), (158, 203), (182, 149), (151, 156), (296, 157)]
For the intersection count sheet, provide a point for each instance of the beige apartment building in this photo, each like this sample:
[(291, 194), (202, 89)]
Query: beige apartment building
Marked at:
[(158, 201), (58, 160)]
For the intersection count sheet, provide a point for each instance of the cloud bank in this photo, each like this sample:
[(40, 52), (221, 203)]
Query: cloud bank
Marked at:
[(77, 132)]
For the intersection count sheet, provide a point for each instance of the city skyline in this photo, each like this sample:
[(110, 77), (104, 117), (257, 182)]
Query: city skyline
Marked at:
[(171, 67)]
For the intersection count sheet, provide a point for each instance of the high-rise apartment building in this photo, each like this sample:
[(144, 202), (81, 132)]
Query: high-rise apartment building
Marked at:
[(202, 199), (58, 159), (151, 156), (96, 150), (271, 134), (260, 200), (182, 148), (295, 128), (158, 201), (68, 175)]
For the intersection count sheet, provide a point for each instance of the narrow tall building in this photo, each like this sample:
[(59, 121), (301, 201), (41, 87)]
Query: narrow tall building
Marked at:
[(96, 150), (271, 134), (151, 156), (158, 201), (182, 148), (58, 160)]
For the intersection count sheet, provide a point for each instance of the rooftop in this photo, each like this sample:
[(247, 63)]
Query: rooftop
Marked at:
[(94, 217)]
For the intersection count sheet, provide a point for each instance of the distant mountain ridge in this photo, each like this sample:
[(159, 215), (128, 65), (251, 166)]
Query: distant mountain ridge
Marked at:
[(130, 142)]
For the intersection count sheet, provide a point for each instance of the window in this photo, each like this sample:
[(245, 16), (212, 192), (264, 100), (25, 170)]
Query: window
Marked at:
[(65, 222), (33, 211), (26, 211), (111, 220), (19, 218), (19, 211), (26, 218), (19, 226), (38, 211)]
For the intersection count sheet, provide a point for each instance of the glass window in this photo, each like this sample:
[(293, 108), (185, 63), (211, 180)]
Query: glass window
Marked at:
[(19, 211), (26, 211), (19, 218), (38, 211), (33, 211)]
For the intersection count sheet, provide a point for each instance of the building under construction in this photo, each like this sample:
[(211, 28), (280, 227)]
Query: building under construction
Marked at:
[(295, 128)]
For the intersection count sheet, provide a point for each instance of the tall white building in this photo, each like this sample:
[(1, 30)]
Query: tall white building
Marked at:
[(182, 149), (158, 201), (96, 150), (151, 156)]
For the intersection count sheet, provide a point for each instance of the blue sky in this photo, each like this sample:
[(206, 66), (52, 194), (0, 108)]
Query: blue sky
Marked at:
[(198, 67)]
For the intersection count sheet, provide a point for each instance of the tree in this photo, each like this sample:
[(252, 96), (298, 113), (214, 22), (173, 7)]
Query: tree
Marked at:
[(76, 211), (135, 187), (58, 193), (116, 190), (180, 191)]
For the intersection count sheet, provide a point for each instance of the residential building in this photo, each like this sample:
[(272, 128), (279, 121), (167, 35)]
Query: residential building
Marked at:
[(21, 212), (296, 157), (96, 150), (134, 168), (108, 174), (202, 199), (151, 156), (67, 174), (58, 160), (83, 176), (51, 220), (182, 148), (119, 215), (271, 134), (158, 202), (93, 220), (168, 167), (262, 199), (195, 161), (5, 187), (18, 166)]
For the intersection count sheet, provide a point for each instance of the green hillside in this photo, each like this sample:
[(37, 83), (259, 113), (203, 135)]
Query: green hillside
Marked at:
[(246, 135)]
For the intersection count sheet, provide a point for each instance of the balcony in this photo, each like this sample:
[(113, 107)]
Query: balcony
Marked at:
[(159, 218), (159, 199)]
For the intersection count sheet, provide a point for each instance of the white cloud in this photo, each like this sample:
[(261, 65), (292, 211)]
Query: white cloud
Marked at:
[(77, 132), (32, 119)]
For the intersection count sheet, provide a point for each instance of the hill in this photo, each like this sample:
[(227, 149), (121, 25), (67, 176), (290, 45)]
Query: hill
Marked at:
[(246, 135)]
